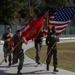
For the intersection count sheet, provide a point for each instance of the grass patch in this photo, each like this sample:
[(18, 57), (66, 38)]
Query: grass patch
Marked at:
[(66, 55)]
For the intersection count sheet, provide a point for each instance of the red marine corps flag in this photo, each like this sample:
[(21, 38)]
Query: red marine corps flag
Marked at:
[(31, 30)]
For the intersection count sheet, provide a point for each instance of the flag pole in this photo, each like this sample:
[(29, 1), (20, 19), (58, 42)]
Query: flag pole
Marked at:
[(46, 16)]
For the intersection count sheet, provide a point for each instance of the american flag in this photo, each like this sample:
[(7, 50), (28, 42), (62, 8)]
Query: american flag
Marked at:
[(62, 18)]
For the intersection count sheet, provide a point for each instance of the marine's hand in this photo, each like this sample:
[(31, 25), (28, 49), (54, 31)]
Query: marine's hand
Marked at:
[(25, 41), (7, 40)]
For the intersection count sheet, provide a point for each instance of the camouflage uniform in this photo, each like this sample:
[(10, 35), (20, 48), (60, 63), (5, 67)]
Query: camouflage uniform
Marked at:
[(51, 41), (5, 47), (18, 52)]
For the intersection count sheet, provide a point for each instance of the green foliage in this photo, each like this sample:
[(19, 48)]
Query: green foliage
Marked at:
[(10, 9), (21, 8)]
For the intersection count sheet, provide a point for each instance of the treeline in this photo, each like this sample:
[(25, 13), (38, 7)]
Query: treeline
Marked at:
[(25, 9)]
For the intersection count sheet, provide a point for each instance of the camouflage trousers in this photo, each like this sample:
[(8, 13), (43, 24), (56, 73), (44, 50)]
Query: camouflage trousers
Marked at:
[(20, 57), (6, 51), (49, 55), (38, 49)]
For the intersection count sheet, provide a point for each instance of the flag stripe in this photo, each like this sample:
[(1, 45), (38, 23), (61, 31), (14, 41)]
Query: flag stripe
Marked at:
[(60, 28), (58, 24)]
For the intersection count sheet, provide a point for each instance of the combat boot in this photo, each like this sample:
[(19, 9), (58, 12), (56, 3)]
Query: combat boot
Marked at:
[(6, 60), (55, 70), (18, 72), (47, 67), (9, 63)]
